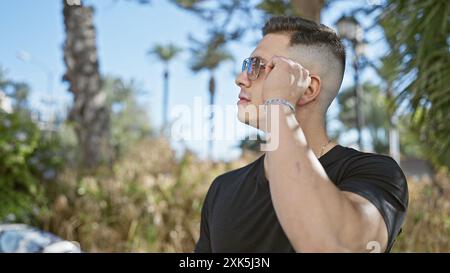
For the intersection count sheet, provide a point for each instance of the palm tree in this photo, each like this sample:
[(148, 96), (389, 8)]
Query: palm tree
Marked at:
[(309, 9), (418, 35), (165, 54), (374, 106), (209, 57), (89, 112)]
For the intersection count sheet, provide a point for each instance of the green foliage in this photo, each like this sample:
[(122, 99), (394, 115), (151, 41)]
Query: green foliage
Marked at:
[(29, 157), (209, 55), (377, 109), (252, 143), (418, 34), (427, 223), (165, 52), (129, 120), (151, 201), (277, 7), (375, 115), (411, 143), (19, 187)]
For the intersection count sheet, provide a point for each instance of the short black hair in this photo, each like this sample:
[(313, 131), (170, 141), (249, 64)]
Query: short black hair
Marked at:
[(306, 32)]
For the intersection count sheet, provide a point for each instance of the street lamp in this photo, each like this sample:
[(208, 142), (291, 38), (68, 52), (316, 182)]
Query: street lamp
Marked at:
[(350, 29), (27, 57)]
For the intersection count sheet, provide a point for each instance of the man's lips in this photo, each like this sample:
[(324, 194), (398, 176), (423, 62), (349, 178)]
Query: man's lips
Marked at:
[(243, 98), (242, 101)]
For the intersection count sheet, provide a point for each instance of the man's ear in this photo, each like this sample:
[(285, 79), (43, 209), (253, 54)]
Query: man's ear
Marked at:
[(311, 92)]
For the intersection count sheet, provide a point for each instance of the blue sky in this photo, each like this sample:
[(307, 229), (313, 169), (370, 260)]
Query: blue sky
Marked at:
[(125, 31)]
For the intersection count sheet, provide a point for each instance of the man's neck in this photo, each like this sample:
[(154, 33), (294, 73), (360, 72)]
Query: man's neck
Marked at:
[(316, 136)]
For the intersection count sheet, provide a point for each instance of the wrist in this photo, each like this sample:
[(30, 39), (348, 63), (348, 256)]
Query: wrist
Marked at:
[(281, 102), (275, 110)]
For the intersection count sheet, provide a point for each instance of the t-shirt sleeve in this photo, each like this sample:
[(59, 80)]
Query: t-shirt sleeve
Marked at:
[(380, 180), (203, 244)]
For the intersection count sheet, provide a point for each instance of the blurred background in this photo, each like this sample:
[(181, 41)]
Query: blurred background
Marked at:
[(89, 89)]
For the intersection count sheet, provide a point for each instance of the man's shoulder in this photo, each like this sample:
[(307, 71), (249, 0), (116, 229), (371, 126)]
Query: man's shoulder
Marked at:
[(377, 168), (233, 175), (372, 161)]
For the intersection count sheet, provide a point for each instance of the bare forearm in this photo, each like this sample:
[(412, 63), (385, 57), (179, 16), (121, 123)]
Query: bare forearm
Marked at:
[(315, 215)]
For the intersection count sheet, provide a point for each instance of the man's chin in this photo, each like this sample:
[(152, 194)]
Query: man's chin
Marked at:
[(244, 118)]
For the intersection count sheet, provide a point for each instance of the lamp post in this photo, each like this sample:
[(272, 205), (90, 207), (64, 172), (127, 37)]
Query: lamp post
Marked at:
[(27, 57), (350, 29)]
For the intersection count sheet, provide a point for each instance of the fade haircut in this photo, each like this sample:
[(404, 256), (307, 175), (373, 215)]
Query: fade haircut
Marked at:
[(306, 32)]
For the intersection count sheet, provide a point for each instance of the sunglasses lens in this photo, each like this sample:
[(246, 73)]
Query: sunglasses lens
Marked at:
[(252, 66), (253, 69), (244, 65)]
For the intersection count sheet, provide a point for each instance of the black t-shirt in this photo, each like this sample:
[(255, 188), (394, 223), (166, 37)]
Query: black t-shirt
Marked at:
[(238, 214)]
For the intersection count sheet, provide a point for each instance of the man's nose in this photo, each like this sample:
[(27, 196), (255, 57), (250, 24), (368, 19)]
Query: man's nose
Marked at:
[(242, 80)]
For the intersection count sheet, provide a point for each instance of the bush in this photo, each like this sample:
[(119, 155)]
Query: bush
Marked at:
[(150, 202), (20, 190), (427, 224)]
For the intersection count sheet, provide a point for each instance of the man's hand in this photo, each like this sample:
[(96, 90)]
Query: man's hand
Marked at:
[(285, 79)]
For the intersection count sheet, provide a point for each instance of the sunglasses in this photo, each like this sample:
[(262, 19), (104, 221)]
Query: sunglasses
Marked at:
[(252, 66)]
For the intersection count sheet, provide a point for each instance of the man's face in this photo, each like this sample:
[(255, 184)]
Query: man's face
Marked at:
[(250, 96)]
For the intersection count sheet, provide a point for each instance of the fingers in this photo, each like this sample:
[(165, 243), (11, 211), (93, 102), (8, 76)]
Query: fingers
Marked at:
[(308, 80), (306, 77), (303, 76), (272, 62), (279, 60), (283, 61), (301, 73)]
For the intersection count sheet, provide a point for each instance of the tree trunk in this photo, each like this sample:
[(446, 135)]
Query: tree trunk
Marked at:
[(309, 9), (165, 96), (89, 113), (212, 94)]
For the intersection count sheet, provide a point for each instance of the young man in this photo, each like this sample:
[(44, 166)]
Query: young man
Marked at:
[(307, 194)]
